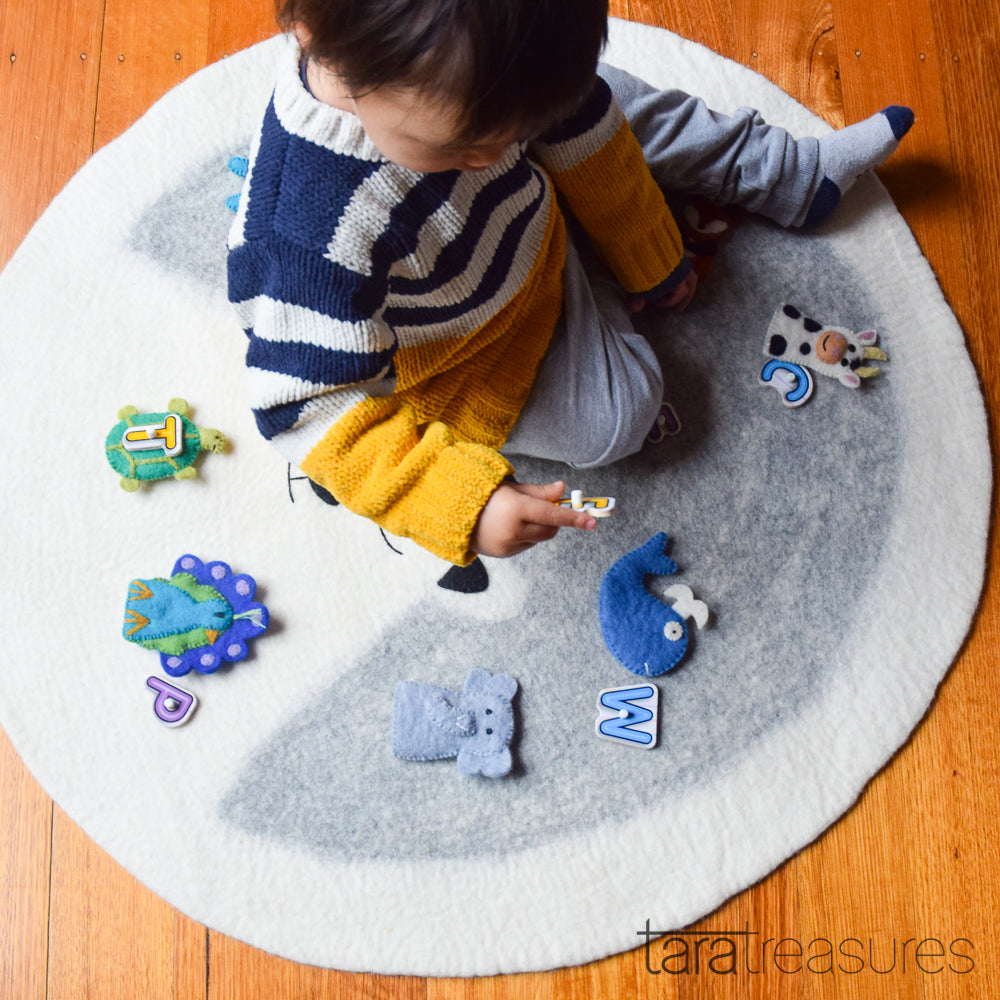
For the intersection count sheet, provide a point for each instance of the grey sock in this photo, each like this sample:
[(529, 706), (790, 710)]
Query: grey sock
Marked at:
[(846, 154)]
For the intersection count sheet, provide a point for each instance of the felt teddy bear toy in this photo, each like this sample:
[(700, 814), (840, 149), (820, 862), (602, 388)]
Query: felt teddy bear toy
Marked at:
[(476, 725)]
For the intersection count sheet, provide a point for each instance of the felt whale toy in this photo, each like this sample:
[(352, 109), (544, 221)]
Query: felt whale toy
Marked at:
[(645, 635)]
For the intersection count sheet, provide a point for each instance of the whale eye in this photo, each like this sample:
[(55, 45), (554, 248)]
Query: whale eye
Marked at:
[(673, 631)]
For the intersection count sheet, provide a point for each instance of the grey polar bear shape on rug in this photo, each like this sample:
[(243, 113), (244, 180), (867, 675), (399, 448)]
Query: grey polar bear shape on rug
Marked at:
[(747, 492)]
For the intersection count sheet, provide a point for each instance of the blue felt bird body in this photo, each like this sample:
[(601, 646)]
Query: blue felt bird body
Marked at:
[(175, 614), (645, 635), (199, 618)]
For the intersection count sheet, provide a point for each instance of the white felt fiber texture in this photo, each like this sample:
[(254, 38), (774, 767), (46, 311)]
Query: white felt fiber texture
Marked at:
[(839, 546)]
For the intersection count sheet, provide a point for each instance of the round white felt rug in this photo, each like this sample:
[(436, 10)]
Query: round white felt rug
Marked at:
[(842, 580)]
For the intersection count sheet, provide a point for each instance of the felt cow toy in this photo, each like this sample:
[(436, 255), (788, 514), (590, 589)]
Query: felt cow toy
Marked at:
[(830, 350)]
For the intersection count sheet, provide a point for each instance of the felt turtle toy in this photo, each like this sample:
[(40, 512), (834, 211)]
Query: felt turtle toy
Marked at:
[(147, 446)]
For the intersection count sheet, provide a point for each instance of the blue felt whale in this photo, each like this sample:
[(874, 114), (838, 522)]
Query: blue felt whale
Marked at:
[(645, 635)]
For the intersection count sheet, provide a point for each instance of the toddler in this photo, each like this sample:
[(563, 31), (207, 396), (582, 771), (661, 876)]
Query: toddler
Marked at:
[(450, 216)]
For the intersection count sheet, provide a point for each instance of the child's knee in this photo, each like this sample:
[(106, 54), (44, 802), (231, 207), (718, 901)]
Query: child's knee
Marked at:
[(631, 413)]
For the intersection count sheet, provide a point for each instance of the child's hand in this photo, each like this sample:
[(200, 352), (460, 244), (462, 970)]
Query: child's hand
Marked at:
[(676, 300), (518, 515)]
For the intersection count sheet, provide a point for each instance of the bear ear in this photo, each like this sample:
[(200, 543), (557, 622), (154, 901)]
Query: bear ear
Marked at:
[(480, 682), (505, 686)]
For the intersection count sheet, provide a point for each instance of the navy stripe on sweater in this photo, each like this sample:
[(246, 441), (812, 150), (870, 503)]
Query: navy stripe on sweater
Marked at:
[(402, 235), (493, 279), (320, 365), (286, 272), (299, 189), (275, 420), (455, 257), (593, 109)]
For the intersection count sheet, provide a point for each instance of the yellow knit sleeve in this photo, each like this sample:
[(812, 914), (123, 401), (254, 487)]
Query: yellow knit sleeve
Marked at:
[(597, 166), (416, 482)]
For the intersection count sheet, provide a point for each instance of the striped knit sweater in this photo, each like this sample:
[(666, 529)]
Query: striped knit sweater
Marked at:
[(396, 319)]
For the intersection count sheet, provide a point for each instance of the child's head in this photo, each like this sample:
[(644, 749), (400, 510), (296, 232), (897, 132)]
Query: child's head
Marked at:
[(495, 67)]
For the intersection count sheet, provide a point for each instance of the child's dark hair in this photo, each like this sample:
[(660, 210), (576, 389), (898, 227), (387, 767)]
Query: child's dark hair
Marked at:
[(519, 64)]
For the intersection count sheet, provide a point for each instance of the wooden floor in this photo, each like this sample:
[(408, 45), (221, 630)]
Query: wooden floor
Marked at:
[(915, 861)]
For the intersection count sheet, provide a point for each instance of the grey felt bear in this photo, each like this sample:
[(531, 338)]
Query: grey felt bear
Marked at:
[(476, 726)]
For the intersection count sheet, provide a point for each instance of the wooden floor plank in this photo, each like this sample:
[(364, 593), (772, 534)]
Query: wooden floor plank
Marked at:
[(618, 976), (147, 48), (799, 54), (48, 89), (234, 25), (109, 936), (925, 176), (25, 822), (239, 972), (944, 789), (709, 24), (915, 860)]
